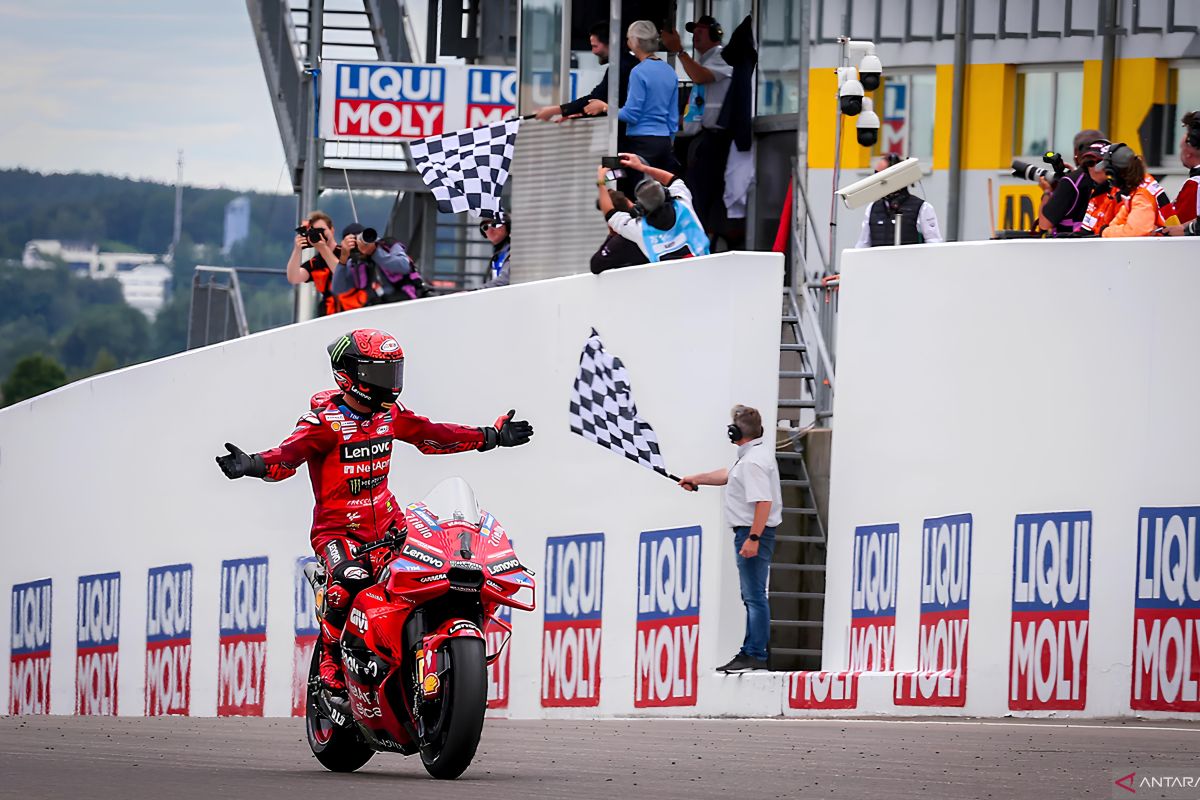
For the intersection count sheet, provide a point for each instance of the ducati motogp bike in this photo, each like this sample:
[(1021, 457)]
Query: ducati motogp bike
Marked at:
[(414, 653)]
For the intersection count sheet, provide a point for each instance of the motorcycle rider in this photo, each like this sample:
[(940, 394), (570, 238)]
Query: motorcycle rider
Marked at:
[(346, 440)]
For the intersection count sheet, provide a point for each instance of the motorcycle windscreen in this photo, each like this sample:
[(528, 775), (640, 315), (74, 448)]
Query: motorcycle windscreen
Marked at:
[(453, 499)]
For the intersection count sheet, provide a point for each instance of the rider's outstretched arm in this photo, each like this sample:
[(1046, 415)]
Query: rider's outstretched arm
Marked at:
[(433, 438), (309, 439)]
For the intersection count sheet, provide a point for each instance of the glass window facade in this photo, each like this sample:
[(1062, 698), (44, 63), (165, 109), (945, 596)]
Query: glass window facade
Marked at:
[(541, 56), (1183, 95), (906, 118), (778, 57), (1049, 109)]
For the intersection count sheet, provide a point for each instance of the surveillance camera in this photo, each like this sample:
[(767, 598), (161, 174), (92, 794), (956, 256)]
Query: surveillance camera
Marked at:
[(867, 127), (851, 97), (870, 70), (881, 184)]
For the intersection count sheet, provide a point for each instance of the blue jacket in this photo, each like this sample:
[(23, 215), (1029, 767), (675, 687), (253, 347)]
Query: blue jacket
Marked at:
[(652, 106)]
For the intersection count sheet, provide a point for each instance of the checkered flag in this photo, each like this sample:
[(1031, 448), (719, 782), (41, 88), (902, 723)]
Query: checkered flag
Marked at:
[(467, 169), (602, 408)]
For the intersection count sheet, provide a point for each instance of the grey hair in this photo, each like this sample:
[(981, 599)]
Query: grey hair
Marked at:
[(644, 35)]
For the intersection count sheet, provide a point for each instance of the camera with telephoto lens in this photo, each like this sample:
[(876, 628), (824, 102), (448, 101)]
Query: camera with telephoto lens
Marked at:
[(1031, 172), (368, 235)]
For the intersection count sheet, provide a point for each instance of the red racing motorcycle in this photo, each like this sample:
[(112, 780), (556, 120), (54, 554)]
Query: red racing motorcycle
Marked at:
[(413, 648)]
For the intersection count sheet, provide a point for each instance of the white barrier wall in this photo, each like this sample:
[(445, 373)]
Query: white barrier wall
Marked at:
[(1015, 475), (114, 477)]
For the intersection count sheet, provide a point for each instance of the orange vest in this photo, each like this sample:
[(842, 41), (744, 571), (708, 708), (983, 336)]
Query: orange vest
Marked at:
[(1164, 211), (1101, 210)]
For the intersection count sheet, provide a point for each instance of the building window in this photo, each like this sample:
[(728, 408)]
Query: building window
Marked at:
[(541, 56), (778, 57), (1183, 95), (1049, 110), (906, 118)]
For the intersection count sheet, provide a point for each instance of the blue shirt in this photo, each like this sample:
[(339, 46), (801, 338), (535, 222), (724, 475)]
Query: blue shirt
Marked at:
[(652, 106)]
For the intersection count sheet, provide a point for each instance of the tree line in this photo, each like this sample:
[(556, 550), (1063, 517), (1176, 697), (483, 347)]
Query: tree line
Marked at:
[(57, 326)]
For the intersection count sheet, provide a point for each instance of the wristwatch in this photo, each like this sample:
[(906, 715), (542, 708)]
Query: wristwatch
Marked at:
[(754, 537)]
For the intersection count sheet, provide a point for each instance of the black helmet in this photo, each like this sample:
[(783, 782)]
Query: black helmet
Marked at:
[(368, 365)]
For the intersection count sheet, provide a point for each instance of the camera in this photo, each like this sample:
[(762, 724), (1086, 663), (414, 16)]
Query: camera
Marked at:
[(369, 235), (867, 128), (1031, 172), (313, 235), (610, 162)]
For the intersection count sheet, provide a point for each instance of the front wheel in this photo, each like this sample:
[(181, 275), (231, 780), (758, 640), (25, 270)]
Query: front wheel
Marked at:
[(458, 719), (338, 749)]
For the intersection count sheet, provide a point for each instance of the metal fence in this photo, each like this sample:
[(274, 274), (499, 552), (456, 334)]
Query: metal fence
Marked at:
[(216, 313)]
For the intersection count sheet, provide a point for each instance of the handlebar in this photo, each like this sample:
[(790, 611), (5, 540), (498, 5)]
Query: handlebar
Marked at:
[(393, 538)]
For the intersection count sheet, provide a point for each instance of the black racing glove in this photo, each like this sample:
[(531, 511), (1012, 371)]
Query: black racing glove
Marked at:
[(237, 464), (507, 432)]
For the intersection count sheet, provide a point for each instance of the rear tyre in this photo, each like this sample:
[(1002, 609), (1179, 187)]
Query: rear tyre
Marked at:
[(459, 723), (338, 749)]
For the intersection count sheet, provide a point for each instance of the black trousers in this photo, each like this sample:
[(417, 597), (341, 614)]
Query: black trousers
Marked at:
[(655, 151), (707, 156)]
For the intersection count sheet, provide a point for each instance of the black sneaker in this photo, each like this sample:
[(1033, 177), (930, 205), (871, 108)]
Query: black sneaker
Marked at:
[(743, 663)]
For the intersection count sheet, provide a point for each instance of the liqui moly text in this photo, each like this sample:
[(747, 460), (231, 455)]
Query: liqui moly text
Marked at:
[(668, 618), (97, 637), (242, 646), (1051, 596), (395, 101), (876, 556), (169, 640), (29, 665), (574, 600), (941, 676), (1166, 615)]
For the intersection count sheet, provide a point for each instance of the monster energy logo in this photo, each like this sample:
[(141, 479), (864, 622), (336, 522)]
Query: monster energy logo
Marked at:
[(339, 349), (357, 485)]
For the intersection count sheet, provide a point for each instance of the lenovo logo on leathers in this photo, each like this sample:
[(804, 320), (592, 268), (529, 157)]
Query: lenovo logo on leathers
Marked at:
[(365, 451)]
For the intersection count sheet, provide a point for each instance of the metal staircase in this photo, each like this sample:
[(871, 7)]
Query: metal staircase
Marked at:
[(797, 586)]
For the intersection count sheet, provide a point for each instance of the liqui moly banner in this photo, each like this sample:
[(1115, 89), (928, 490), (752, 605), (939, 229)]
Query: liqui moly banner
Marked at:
[(941, 676), (573, 581), (29, 665), (1166, 615), (668, 618), (169, 640), (379, 101), (242, 646), (305, 623), (876, 557), (824, 690), (497, 671), (1051, 599), (98, 629)]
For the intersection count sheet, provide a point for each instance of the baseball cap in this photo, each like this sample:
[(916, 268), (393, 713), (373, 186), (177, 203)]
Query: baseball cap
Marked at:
[(352, 228), (713, 26), (1093, 152)]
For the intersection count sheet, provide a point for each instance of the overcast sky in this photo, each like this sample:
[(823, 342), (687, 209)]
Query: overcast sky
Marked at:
[(118, 87)]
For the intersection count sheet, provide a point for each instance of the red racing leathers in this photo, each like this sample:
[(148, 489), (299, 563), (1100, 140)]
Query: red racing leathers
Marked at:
[(349, 456)]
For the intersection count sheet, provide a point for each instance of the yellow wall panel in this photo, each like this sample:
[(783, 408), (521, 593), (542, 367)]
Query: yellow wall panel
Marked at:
[(822, 124), (1138, 83), (1091, 96), (941, 116), (988, 122)]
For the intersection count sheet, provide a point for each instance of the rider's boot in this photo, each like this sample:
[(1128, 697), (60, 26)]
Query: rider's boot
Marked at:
[(337, 599)]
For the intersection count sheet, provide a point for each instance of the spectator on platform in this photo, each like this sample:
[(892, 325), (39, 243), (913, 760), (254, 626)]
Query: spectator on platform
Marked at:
[(1065, 203), (708, 148), (617, 251), (1144, 206), (753, 500), (918, 220), (498, 232), (319, 268), (651, 110), (666, 226), (1187, 204), (596, 101)]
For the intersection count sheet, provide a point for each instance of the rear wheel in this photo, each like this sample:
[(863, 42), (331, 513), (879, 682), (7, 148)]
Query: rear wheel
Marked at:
[(455, 724), (338, 749)]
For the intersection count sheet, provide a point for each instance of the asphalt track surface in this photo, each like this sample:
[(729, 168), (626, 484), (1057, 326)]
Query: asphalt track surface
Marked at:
[(99, 758)]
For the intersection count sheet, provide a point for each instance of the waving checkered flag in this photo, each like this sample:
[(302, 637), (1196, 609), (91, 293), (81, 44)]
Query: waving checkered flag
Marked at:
[(467, 169), (602, 408)]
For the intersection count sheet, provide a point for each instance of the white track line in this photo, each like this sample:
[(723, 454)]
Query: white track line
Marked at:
[(1031, 723)]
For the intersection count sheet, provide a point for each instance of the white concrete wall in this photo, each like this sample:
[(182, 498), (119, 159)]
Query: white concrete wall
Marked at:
[(116, 473), (1020, 378)]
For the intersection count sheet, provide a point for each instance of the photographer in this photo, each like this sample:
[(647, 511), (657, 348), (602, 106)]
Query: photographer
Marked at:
[(375, 270), (918, 220), (617, 251), (667, 227), (1144, 206), (1187, 205), (316, 232), (1066, 200), (353, 274)]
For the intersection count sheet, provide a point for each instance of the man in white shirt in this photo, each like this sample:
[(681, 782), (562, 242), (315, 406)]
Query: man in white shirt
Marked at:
[(754, 509), (709, 147), (918, 220)]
